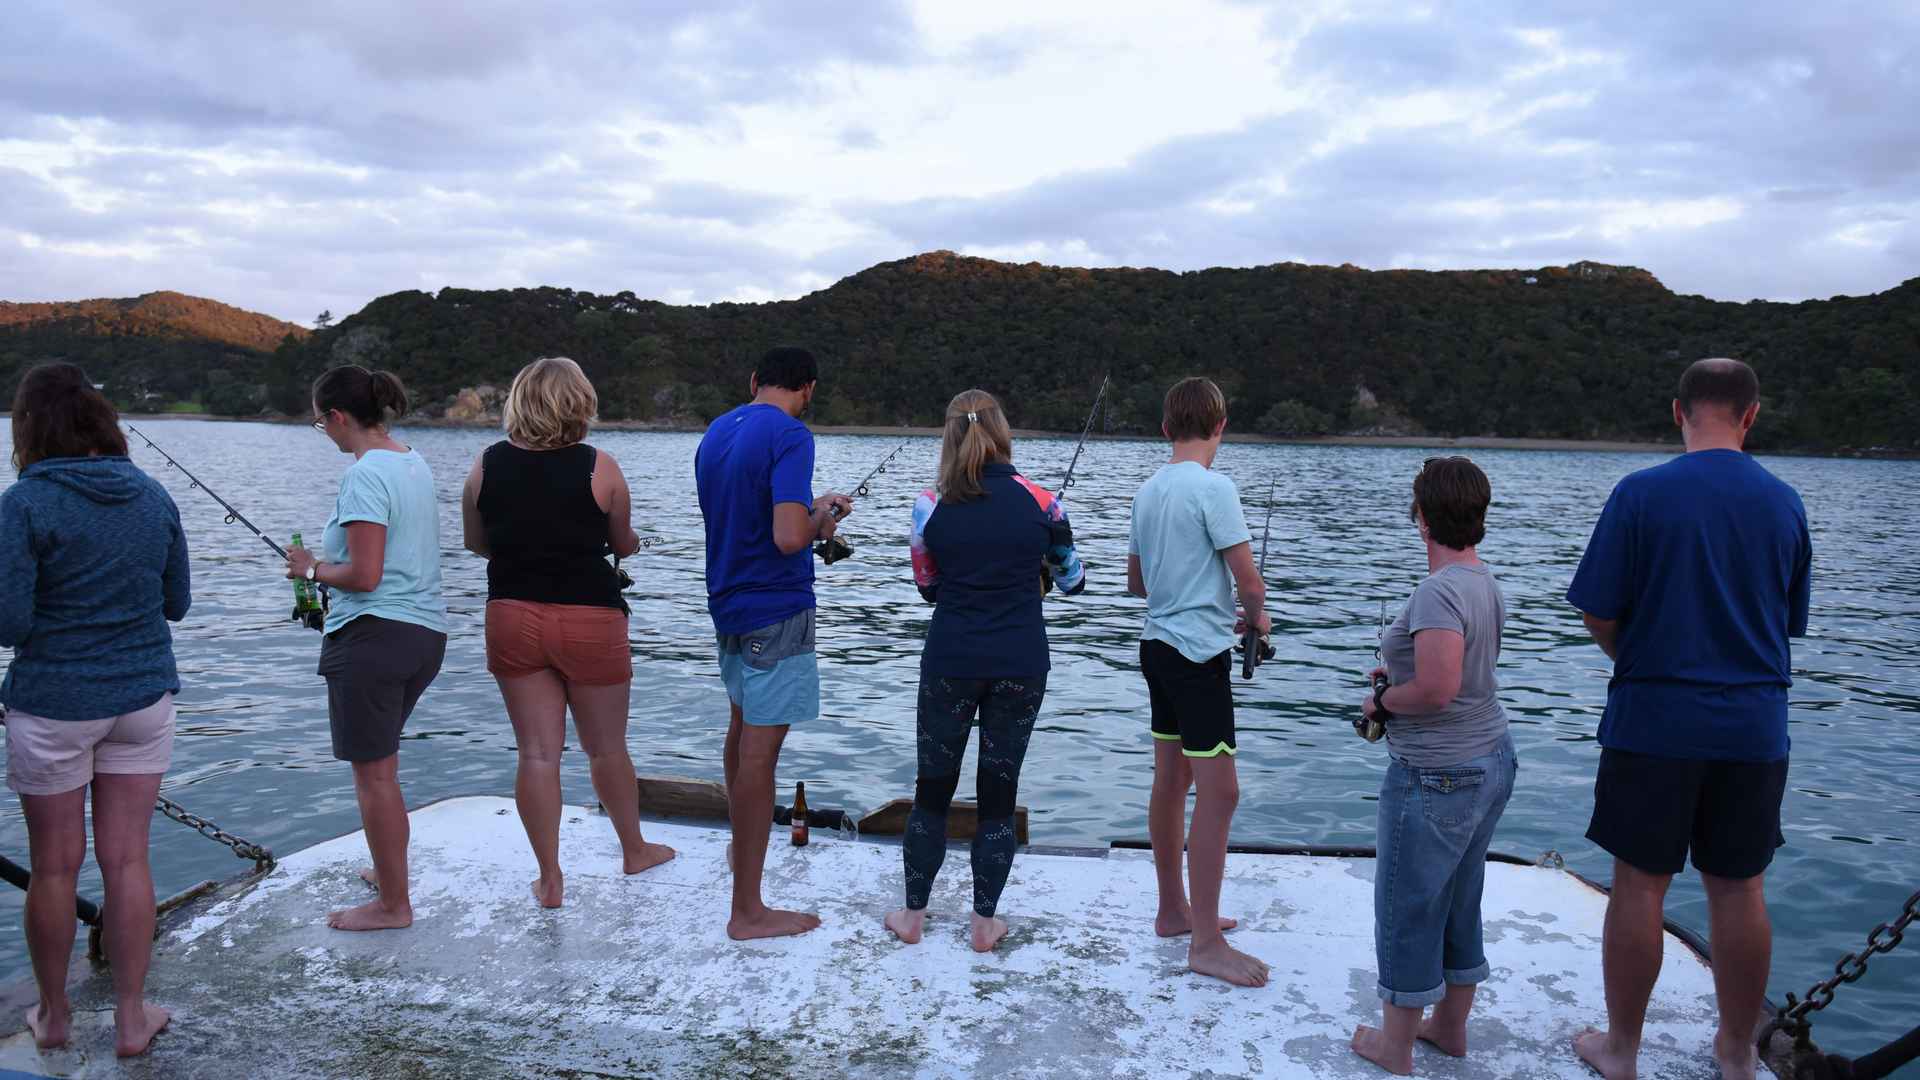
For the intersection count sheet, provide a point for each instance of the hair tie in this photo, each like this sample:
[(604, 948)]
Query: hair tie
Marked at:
[(973, 418)]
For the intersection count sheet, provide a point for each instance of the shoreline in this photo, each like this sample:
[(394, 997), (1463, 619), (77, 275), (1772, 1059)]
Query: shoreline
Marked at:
[(1438, 442)]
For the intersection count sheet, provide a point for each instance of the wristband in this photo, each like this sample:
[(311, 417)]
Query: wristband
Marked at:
[(1380, 709)]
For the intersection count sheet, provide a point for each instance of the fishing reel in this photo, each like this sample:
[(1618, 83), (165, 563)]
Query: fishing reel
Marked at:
[(1373, 730), (1255, 648), (833, 549), (314, 618)]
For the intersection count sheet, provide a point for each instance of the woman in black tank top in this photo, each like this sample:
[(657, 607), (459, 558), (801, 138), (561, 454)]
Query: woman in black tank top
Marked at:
[(545, 509)]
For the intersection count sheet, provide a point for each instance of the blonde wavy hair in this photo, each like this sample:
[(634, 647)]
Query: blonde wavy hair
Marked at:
[(977, 433), (551, 404)]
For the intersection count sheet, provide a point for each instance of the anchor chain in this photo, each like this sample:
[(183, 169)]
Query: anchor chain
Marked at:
[(1795, 1016), (263, 859)]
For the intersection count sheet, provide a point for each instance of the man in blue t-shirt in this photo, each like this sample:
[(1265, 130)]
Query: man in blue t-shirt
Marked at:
[(1696, 576), (754, 473)]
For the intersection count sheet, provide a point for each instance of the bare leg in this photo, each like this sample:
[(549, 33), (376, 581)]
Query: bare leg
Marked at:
[(1630, 955), (1167, 831), (56, 847), (383, 813), (754, 751), (1389, 1046), (1208, 952), (1742, 959), (1446, 1028), (122, 812), (537, 705), (600, 716)]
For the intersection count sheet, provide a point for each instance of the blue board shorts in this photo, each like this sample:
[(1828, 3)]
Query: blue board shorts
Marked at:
[(771, 673)]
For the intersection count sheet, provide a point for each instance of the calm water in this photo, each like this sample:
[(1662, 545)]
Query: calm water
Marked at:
[(253, 750)]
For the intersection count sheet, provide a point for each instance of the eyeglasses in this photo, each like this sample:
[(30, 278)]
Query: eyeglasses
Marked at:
[(320, 425)]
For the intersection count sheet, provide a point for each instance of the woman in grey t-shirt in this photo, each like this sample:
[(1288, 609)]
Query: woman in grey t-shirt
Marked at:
[(1449, 778)]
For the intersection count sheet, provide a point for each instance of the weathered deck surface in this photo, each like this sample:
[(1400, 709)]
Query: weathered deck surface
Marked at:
[(635, 977)]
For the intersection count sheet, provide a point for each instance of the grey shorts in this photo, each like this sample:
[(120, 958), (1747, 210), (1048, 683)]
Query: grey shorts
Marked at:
[(771, 672), (376, 669)]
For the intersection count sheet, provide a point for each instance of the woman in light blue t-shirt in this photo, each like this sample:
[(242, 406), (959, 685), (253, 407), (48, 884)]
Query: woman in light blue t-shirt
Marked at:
[(386, 629)]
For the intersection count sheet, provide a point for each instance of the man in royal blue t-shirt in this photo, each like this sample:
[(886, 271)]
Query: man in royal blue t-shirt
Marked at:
[(754, 472), (1696, 576)]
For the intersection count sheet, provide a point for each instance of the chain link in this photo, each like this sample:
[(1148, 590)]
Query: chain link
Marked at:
[(1794, 1015), (242, 848)]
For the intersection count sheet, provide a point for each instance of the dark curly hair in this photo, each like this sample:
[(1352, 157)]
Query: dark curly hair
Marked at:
[(1452, 494), (57, 413)]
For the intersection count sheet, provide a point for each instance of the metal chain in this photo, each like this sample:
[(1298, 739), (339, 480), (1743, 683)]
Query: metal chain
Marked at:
[(246, 849), (1793, 1017)]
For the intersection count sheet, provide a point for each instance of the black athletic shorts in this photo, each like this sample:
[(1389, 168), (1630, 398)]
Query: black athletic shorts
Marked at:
[(376, 670), (1192, 703), (1650, 811)]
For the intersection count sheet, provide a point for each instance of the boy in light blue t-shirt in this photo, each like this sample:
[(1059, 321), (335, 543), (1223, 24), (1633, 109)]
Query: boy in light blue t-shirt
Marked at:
[(1187, 549)]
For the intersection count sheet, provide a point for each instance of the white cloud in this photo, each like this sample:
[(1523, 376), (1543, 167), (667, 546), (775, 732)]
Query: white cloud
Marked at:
[(291, 159)]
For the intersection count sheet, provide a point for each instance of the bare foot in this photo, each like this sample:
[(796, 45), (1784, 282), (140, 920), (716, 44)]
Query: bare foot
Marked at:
[(132, 1036), (906, 924), (1596, 1048), (1448, 1040), (1739, 1060), (987, 932), (50, 1029), (1223, 961), (549, 894), (1175, 923), (771, 922), (371, 916), (367, 875), (651, 855), (1369, 1043)]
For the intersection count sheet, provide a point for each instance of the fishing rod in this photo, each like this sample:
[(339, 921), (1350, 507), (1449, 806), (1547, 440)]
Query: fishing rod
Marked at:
[(314, 618), (1256, 648), (1372, 730), (833, 549), (1067, 482)]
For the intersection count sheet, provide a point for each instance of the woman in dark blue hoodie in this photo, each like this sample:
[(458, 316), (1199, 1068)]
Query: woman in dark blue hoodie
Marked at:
[(986, 544), (93, 565)]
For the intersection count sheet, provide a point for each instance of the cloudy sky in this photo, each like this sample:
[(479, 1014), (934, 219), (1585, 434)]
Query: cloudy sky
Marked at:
[(290, 158)]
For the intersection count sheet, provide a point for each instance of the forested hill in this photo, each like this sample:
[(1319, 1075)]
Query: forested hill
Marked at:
[(1585, 351), (153, 350)]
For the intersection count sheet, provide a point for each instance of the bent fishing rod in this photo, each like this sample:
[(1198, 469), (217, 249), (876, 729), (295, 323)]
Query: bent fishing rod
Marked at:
[(833, 549), (314, 619), (1257, 648), (1085, 431)]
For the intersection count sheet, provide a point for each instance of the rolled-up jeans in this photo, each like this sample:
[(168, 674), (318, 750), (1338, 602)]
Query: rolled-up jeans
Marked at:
[(1434, 829)]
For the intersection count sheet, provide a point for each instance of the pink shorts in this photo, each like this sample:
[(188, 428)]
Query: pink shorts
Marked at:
[(51, 757)]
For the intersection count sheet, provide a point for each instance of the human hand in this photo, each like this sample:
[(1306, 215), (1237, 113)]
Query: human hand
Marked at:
[(298, 560), (1261, 623), (1368, 707), (1376, 675), (836, 504)]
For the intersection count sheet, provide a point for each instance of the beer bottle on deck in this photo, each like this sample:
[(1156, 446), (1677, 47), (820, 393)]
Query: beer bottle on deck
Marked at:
[(800, 814)]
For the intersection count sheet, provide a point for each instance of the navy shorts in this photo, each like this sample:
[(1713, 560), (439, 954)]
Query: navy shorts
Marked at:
[(1650, 812)]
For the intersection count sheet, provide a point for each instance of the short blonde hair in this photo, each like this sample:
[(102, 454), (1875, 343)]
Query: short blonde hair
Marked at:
[(550, 405)]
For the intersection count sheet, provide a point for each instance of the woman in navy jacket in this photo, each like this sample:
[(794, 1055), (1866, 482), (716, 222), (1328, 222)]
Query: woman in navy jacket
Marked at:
[(986, 543)]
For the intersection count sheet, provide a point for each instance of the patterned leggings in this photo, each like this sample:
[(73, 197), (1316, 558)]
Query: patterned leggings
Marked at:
[(1007, 708)]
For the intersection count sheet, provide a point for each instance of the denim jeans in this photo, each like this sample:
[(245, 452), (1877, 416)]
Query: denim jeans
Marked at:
[(1435, 825)]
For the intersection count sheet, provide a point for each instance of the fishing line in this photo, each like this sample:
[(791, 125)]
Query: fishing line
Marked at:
[(1086, 430), (1257, 648), (236, 517), (833, 549)]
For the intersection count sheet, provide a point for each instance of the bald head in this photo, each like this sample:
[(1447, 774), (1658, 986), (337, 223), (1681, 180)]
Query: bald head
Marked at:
[(1719, 383)]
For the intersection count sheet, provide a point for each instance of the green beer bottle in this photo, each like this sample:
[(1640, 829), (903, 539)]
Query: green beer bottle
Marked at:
[(305, 597)]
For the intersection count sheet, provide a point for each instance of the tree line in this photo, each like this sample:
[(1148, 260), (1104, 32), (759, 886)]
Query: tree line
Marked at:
[(1586, 351)]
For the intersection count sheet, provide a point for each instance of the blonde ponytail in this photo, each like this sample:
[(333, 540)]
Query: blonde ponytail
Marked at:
[(977, 434)]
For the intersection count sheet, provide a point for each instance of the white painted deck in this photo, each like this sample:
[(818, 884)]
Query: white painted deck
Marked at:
[(635, 977)]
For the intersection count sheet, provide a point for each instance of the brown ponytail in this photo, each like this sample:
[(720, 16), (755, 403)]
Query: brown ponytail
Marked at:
[(976, 434), (372, 398)]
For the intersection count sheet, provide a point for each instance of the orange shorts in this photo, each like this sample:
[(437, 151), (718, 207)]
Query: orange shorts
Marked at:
[(581, 644)]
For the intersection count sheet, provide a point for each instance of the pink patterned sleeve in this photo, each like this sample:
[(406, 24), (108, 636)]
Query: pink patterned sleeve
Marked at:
[(926, 574)]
